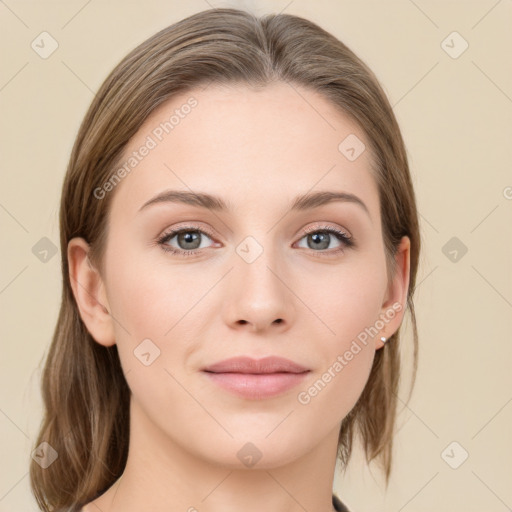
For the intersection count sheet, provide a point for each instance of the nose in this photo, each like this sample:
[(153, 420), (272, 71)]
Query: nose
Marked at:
[(259, 296)]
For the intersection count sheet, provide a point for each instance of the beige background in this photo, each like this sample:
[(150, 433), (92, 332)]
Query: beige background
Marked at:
[(455, 114)]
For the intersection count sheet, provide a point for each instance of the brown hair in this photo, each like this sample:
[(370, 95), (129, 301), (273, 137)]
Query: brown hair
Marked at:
[(85, 394)]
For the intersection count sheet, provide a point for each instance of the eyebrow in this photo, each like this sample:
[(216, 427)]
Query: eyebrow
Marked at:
[(212, 202)]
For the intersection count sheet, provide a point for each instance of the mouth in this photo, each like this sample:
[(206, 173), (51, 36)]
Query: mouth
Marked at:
[(256, 379)]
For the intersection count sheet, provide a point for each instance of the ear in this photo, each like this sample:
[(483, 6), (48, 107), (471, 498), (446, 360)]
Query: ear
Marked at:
[(395, 301), (89, 291)]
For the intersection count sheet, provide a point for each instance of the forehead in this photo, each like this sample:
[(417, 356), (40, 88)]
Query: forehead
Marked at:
[(250, 146)]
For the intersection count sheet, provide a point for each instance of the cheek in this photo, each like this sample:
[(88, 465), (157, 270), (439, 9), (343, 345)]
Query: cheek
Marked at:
[(349, 301), (333, 391), (357, 307), (150, 306), (150, 299), (346, 298)]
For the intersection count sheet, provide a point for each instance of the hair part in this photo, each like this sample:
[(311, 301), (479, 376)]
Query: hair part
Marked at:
[(85, 395)]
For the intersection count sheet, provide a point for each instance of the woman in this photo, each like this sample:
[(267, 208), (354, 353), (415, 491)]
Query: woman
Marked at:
[(240, 243)]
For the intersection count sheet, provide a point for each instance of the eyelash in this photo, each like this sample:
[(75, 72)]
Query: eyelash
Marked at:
[(340, 235)]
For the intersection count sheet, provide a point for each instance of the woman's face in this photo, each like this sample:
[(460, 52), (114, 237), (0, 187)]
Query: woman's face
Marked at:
[(262, 277)]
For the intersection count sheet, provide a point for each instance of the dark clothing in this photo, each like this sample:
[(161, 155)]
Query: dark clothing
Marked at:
[(338, 505)]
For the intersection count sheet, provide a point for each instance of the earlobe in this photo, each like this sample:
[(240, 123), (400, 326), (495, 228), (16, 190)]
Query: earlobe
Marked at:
[(89, 292), (394, 306)]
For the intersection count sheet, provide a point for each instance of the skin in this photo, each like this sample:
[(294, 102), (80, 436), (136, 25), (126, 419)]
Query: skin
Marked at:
[(257, 149)]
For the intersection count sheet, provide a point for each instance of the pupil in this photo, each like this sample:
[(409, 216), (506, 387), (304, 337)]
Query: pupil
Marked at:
[(189, 237), (319, 239)]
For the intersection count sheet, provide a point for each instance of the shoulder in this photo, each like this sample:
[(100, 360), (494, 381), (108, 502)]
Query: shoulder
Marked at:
[(338, 504)]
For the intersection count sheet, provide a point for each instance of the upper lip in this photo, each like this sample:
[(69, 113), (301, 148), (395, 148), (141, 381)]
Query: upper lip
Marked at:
[(271, 364)]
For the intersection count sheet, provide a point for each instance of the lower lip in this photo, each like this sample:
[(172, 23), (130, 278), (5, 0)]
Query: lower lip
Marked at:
[(257, 386)]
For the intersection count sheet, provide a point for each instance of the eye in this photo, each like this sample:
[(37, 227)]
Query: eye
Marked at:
[(320, 238), (188, 239)]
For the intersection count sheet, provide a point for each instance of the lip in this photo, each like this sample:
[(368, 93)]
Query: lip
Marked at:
[(271, 364), (256, 379)]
